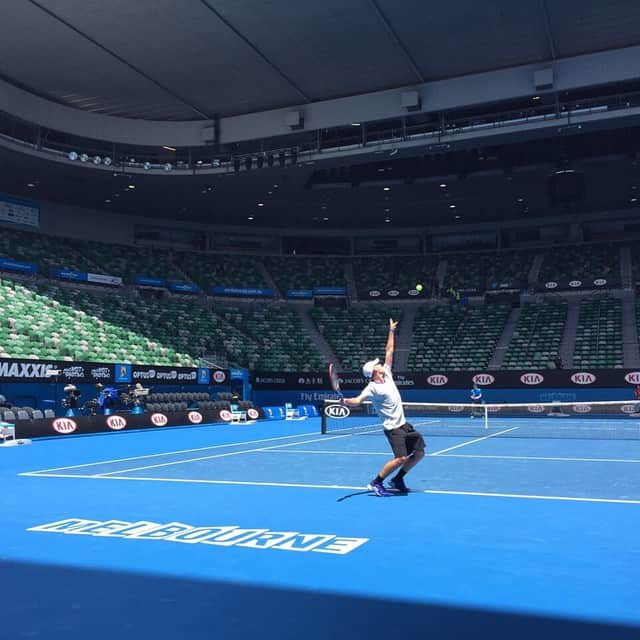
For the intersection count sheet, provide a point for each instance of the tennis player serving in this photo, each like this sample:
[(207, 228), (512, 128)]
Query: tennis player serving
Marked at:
[(406, 443)]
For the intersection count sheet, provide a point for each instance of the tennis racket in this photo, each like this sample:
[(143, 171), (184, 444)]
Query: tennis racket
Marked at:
[(334, 380)]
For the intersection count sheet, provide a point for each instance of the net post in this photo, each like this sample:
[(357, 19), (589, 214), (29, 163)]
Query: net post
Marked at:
[(486, 415), (323, 417)]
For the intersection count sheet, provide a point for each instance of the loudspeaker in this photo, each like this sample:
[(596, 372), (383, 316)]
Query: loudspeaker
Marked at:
[(411, 101), (543, 79), (294, 120)]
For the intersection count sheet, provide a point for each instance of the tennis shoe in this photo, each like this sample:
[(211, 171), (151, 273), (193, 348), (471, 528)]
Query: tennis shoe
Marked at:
[(399, 485), (379, 489)]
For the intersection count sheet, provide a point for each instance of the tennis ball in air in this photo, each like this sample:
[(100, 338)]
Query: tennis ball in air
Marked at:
[(419, 287)]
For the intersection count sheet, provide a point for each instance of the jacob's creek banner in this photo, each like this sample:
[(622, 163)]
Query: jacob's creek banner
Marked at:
[(76, 425), (13, 370), (525, 379)]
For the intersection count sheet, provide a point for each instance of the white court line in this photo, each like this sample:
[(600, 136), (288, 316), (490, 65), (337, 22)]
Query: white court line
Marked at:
[(299, 485), (218, 455), (464, 444), (552, 459), (457, 455), (171, 453)]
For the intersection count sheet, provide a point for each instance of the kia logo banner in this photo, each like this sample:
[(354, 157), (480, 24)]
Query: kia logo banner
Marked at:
[(116, 423), (437, 380), (532, 378), (583, 377), (394, 293), (64, 425), (579, 283), (338, 411), (633, 377), (483, 379)]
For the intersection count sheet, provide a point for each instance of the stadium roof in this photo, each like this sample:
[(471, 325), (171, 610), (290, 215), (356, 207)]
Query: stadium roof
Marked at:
[(168, 60), (162, 59)]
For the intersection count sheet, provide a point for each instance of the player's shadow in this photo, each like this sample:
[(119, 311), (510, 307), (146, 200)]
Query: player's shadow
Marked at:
[(371, 494)]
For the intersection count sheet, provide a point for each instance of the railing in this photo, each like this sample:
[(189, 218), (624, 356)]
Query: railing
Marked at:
[(266, 152)]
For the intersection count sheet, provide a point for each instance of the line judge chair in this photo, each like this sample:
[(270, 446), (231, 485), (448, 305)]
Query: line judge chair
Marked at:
[(237, 414)]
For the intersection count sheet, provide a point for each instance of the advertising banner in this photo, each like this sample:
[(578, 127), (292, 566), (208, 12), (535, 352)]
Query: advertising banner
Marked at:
[(146, 281), (330, 291), (393, 294), (522, 379), (184, 287), (103, 278), (578, 284), (246, 292), (117, 422), (6, 264), (68, 274), (300, 294), (62, 371), (81, 276)]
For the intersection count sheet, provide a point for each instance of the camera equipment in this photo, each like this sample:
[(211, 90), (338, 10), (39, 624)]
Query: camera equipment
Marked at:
[(71, 396)]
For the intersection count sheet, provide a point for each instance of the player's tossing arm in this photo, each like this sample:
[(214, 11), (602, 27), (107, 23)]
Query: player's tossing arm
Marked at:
[(388, 353)]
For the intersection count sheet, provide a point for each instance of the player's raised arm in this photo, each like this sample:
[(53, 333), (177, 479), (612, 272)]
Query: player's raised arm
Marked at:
[(388, 353), (357, 400)]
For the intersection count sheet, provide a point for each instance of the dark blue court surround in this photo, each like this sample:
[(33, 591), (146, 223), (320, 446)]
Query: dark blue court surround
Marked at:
[(512, 538)]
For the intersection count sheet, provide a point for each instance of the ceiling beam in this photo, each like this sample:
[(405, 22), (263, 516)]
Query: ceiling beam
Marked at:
[(547, 28), (120, 59), (257, 51), (396, 39)]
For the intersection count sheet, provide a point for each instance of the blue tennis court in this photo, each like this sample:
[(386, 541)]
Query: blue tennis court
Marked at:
[(268, 530)]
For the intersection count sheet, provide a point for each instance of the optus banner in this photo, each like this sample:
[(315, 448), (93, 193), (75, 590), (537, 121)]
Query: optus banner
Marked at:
[(523, 379)]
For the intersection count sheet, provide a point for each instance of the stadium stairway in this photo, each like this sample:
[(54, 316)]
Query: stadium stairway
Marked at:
[(264, 272), (350, 279), (534, 271), (568, 344), (174, 264), (629, 330), (505, 339), (441, 273), (316, 337), (404, 337), (626, 268)]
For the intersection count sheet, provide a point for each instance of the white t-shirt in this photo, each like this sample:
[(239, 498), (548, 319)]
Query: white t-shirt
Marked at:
[(386, 400)]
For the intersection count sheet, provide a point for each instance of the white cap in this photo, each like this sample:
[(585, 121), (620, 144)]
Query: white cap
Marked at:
[(367, 369)]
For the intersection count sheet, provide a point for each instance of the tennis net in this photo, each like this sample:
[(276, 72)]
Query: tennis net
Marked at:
[(589, 420)]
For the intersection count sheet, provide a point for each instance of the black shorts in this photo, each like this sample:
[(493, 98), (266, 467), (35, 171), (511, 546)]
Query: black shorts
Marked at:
[(404, 440)]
